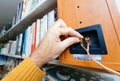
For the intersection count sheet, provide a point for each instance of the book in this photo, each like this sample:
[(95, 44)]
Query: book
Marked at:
[(34, 36), (28, 41), (38, 32), (3, 60), (24, 9), (43, 26), (19, 45), (13, 47), (51, 18), (19, 12), (21, 9), (33, 4), (24, 44)]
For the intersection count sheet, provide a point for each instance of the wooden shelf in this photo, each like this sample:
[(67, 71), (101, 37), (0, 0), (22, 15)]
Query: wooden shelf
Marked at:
[(2, 64), (44, 7), (11, 55), (54, 62)]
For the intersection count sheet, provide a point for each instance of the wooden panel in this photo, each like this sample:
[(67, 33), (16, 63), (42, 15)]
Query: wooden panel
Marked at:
[(114, 8), (81, 13)]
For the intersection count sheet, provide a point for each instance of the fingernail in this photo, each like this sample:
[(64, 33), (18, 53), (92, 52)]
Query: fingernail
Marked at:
[(82, 36)]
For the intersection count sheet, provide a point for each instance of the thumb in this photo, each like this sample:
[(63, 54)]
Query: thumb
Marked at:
[(69, 41)]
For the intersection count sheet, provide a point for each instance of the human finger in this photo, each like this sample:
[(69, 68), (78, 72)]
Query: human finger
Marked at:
[(68, 42), (60, 23), (70, 32)]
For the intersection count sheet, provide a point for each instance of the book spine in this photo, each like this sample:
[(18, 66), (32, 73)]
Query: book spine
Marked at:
[(51, 18), (20, 40), (34, 37), (24, 9), (3, 60), (24, 44), (33, 4), (19, 12), (17, 41), (17, 15), (38, 32), (10, 44), (28, 6), (45, 23), (21, 8), (13, 47), (28, 41), (41, 28)]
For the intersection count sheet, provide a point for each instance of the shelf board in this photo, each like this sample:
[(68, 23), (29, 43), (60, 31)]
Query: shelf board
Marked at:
[(54, 62), (41, 9), (11, 55), (2, 64)]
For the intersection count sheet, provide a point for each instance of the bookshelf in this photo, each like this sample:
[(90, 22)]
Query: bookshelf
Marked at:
[(44, 7), (41, 9)]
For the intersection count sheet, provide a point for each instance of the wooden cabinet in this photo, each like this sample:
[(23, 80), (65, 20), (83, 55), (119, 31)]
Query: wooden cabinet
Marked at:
[(82, 13)]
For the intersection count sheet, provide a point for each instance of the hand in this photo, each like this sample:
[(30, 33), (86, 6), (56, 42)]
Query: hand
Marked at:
[(51, 46)]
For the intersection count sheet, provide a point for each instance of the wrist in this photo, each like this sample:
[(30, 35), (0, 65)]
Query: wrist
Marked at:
[(38, 60)]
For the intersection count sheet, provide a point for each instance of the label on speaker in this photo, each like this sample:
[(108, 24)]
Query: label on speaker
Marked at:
[(85, 57)]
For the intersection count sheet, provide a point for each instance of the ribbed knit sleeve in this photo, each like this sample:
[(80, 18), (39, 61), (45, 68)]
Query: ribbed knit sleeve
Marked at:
[(26, 71)]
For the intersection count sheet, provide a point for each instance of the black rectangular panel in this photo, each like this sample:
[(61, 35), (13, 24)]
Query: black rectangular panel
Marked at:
[(97, 45)]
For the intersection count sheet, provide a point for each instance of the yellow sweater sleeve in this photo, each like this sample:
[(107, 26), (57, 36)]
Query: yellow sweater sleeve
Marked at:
[(26, 71)]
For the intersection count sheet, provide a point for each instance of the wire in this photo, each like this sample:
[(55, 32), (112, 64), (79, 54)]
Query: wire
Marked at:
[(97, 62)]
